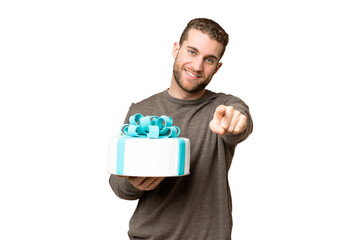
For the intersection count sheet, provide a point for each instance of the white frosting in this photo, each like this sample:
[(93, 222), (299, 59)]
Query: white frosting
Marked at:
[(149, 157)]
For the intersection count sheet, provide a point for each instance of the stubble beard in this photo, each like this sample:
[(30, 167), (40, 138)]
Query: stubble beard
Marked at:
[(197, 88)]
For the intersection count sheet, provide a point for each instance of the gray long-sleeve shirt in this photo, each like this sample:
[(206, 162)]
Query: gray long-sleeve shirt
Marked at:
[(197, 206)]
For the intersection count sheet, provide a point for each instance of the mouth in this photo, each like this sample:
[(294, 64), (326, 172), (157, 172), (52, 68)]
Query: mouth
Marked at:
[(192, 75)]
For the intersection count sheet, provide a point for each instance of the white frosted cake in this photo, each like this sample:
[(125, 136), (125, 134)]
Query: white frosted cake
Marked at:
[(131, 156), (149, 150)]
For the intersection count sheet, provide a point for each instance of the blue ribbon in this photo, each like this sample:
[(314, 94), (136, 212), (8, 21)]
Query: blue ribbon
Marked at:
[(150, 127)]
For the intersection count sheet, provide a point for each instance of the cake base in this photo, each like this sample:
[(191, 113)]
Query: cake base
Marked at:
[(144, 157)]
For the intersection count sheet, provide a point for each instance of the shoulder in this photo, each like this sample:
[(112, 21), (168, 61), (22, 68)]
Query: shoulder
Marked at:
[(230, 100), (146, 106), (225, 99), (150, 99)]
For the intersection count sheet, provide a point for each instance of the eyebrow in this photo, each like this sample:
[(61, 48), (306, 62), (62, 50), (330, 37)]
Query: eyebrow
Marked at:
[(207, 56)]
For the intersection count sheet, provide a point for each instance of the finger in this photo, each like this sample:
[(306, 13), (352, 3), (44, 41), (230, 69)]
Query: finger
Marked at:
[(137, 181), (145, 183), (150, 183), (153, 183), (215, 122), (220, 112), (227, 118), (234, 121), (216, 128), (241, 125), (121, 176)]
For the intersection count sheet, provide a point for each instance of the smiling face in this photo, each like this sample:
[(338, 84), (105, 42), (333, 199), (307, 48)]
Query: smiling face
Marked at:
[(196, 61)]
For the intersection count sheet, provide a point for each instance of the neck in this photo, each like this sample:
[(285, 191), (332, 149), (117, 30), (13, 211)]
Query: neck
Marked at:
[(177, 92)]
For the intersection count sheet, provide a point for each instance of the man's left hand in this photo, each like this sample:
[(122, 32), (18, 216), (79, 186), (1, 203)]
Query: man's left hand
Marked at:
[(227, 120)]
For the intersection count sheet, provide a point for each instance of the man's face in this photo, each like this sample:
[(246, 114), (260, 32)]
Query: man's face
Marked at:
[(196, 61)]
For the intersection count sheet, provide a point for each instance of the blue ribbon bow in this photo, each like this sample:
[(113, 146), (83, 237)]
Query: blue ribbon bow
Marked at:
[(150, 127)]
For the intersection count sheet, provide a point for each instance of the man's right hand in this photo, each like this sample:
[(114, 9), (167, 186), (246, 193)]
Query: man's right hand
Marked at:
[(144, 183)]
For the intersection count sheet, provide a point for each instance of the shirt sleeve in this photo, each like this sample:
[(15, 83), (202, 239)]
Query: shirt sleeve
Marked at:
[(240, 105), (123, 188)]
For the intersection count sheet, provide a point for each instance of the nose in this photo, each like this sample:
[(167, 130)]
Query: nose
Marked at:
[(197, 64)]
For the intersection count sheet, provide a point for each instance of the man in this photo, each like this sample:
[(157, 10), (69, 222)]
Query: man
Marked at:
[(197, 206)]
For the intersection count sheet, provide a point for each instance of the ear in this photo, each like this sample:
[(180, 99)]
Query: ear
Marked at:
[(176, 49), (218, 67)]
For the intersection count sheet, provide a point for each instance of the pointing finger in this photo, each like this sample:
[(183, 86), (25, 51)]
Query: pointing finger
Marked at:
[(220, 112)]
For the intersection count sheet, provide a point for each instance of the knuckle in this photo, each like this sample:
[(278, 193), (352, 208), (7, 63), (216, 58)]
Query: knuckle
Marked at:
[(237, 132), (231, 130), (230, 108), (244, 117), (140, 187)]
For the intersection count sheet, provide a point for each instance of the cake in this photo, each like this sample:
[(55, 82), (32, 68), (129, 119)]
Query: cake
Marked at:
[(149, 147)]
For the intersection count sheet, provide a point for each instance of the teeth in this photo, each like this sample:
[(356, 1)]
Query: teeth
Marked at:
[(191, 74)]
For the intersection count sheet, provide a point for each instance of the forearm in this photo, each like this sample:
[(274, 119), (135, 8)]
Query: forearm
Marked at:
[(123, 188)]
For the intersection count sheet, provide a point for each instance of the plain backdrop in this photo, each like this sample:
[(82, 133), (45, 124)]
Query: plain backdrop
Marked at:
[(70, 69)]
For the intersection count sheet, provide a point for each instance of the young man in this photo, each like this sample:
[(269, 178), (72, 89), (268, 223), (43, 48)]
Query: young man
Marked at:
[(197, 206)]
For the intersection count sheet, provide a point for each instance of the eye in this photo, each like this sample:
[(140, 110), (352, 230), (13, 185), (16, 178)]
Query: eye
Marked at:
[(209, 60), (191, 52)]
